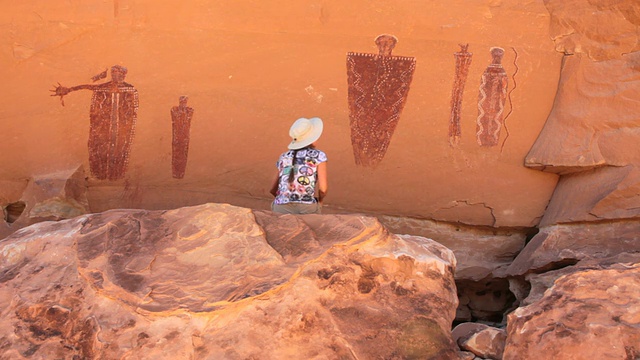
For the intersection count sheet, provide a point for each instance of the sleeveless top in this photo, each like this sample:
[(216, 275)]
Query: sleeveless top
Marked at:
[(303, 187)]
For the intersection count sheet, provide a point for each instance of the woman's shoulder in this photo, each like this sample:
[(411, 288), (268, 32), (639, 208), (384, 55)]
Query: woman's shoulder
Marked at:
[(287, 153), (318, 154)]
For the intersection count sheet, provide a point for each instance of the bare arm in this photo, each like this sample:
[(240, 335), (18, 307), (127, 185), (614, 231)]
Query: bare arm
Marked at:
[(322, 181), (62, 91)]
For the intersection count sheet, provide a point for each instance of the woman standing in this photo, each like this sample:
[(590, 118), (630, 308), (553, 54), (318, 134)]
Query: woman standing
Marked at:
[(301, 184)]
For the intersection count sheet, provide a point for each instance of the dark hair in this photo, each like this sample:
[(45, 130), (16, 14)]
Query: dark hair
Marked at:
[(293, 166), (293, 171)]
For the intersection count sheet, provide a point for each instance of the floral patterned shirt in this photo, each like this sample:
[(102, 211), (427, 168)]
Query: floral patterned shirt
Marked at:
[(303, 187)]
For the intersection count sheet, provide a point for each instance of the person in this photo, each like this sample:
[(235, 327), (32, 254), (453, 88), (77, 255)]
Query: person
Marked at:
[(301, 183)]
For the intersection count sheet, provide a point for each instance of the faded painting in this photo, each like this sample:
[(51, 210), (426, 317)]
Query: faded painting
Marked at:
[(112, 121), (181, 116), (463, 61)]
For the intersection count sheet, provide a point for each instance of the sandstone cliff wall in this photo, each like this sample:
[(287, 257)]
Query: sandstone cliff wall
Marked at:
[(250, 68)]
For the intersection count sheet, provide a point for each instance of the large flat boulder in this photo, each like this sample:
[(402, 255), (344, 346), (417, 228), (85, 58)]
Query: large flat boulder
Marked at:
[(220, 282)]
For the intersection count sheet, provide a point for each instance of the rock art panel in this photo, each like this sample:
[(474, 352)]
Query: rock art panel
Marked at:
[(378, 85), (112, 121), (181, 116), (463, 61), (491, 100)]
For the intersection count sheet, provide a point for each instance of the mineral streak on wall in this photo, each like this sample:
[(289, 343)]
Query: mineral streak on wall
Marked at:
[(250, 69)]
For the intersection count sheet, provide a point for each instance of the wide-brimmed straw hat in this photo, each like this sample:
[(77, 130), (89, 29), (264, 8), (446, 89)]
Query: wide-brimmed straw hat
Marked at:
[(305, 132)]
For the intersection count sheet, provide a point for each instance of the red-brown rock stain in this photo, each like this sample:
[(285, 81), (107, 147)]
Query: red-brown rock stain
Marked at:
[(43, 322)]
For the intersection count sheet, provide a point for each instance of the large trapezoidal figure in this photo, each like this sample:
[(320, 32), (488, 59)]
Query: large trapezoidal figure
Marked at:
[(378, 89)]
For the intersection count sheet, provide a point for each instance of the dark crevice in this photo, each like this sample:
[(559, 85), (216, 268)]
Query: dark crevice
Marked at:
[(13, 211), (484, 301), (555, 265)]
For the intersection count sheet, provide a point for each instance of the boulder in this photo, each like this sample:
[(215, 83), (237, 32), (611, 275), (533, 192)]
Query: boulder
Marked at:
[(482, 254), (479, 251), (46, 197), (565, 244), (220, 282), (482, 340), (590, 311)]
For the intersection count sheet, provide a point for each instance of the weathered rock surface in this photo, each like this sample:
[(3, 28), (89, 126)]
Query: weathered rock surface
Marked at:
[(484, 341), (217, 282), (590, 311), (482, 255), (479, 251), (592, 132), (55, 196), (566, 244)]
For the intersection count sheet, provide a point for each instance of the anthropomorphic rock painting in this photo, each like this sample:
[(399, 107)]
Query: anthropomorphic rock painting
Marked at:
[(491, 100), (378, 89), (463, 61), (181, 123), (112, 121)]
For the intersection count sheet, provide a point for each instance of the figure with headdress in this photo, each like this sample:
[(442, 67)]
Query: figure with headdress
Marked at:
[(112, 121), (491, 100), (378, 85)]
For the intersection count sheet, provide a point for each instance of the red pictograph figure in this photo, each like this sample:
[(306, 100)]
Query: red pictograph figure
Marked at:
[(378, 85), (463, 61), (112, 121), (181, 123), (491, 100)]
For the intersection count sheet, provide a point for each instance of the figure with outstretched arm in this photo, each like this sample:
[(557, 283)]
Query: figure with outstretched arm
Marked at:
[(112, 120)]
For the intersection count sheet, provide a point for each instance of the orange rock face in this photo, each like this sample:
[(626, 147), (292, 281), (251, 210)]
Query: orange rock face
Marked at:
[(249, 70), (220, 282), (592, 132)]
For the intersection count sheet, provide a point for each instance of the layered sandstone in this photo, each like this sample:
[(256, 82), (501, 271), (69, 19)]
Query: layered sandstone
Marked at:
[(218, 282), (592, 132)]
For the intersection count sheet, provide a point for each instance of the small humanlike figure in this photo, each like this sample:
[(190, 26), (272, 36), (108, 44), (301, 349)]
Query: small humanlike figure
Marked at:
[(463, 61), (181, 123), (112, 121)]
